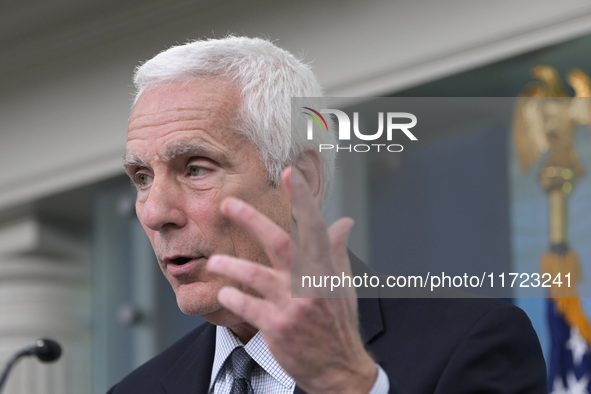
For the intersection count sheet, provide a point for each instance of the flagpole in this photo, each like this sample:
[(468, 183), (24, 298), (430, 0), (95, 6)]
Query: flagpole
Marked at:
[(543, 123), (558, 183)]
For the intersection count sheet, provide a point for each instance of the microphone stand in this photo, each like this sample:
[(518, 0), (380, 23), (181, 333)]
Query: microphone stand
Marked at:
[(11, 362), (46, 350)]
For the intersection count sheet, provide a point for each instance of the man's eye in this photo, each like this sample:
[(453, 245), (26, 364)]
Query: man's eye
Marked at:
[(142, 179), (196, 170)]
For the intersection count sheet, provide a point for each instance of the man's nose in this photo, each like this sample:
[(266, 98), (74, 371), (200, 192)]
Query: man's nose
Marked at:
[(163, 207)]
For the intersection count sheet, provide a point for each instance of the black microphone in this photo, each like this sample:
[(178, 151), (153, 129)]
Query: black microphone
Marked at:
[(46, 350)]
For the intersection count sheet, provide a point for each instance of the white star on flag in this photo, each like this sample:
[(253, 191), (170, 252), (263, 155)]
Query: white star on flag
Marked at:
[(573, 385), (576, 344)]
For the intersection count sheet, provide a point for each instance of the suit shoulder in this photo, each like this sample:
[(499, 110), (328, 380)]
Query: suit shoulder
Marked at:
[(471, 344), (449, 312), (147, 378)]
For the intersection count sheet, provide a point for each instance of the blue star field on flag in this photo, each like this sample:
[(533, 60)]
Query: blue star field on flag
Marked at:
[(570, 358)]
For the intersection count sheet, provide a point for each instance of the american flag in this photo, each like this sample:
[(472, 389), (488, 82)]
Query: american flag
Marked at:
[(570, 359)]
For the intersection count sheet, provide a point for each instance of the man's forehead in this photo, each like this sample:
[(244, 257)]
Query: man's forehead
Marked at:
[(173, 120), (143, 118), (179, 94), (203, 100)]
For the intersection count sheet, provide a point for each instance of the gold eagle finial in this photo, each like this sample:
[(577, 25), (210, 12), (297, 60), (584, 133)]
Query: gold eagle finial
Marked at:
[(545, 117)]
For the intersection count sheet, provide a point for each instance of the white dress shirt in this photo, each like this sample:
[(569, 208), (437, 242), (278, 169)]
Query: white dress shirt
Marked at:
[(267, 376)]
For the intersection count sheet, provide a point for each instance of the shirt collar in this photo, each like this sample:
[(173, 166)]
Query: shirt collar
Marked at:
[(226, 342)]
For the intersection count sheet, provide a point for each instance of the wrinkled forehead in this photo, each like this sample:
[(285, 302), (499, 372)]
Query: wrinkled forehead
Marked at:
[(176, 100), (196, 116)]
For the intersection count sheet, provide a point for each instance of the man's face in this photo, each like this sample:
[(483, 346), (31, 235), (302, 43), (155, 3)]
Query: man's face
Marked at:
[(184, 160)]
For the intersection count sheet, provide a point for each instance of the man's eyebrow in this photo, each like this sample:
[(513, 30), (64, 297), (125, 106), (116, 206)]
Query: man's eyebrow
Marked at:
[(175, 150), (182, 148), (132, 160)]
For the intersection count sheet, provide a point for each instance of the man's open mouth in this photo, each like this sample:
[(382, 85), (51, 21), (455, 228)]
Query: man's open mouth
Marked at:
[(180, 260)]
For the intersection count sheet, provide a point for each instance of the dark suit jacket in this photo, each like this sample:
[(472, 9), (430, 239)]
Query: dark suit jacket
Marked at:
[(444, 346)]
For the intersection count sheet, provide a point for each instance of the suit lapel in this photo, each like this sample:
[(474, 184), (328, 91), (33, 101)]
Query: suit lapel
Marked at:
[(370, 314), (370, 319), (192, 370)]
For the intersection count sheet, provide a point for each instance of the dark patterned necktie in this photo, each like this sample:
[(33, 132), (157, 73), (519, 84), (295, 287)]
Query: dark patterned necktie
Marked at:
[(242, 365)]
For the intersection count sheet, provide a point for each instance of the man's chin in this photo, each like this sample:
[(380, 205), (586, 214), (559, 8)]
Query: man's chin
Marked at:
[(195, 310), (196, 305), (197, 298), (200, 299), (193, 305)]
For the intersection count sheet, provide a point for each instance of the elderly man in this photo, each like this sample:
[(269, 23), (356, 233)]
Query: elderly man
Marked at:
[(219, 183)]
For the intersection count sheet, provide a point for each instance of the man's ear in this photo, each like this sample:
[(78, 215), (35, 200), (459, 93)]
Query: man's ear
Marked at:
[(311, 166)]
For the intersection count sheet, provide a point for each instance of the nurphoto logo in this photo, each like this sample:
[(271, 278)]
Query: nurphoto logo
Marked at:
[(394, 122)]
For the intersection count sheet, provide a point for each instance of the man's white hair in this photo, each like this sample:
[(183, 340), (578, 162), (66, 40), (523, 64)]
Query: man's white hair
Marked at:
[(267, 77)]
